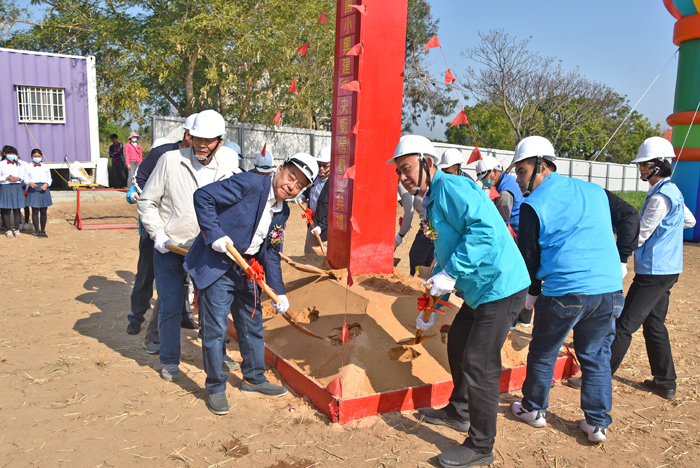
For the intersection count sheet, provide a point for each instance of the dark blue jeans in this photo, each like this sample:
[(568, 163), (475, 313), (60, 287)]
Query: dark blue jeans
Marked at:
[(170, 278), (232, 292), (593, 321), (143, 283)]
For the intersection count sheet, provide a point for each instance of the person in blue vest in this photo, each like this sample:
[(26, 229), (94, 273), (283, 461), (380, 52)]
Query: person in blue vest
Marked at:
[(576, 270), (249, 212), (477, 256), (658, 262)]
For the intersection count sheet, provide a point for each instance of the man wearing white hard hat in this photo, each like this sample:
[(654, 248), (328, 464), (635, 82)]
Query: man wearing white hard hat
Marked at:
[(490, 172), (451, 163), (264, 163), (142, 292), (477, 256), (567, 240), (168, 215), (657, 264), (317, 195), (248, 212)]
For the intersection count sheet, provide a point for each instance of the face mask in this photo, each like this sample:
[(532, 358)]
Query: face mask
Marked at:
[(134, 139), (36, 160), (11, 157), (487, 182)]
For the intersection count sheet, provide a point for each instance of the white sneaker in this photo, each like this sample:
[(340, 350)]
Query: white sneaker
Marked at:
[(534, 418), (596, 434)]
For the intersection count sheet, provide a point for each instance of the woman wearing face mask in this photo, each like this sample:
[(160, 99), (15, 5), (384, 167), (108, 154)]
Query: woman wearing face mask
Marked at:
[(12, 173), (38, 179), (132, 156)]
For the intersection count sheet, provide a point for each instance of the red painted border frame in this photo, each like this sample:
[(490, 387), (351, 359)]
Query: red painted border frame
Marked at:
[(436, 394)]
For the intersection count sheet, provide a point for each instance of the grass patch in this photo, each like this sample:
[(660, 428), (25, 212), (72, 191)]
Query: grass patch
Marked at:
[(636, 199)]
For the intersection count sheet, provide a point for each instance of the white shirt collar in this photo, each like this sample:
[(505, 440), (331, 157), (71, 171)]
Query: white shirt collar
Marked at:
[(275, 206)]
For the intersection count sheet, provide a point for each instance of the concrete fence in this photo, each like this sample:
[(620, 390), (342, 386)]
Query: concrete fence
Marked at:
[(283, 141)]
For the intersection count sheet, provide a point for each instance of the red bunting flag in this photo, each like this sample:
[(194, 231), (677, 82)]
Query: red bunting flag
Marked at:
[(264, 151), (293, 87), (352, 86), (449, 78), (303, 49), (278, 116), (361, 8), (357, 49), (323, 19), (335, 387), (355, 128), (493, 194), (432, 43), (475, 156), (355, 226), (345, 334), (460, 119), (350, 281), (349, 173)]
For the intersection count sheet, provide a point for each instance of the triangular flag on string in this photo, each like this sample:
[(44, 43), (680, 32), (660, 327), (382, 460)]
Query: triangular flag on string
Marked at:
[(278, 116), (303, 49), (449, 78), (352, 86), (361, 8), (293, 87), (350, 281), (433, 42), (335, 387), (493, 194), (264, 151), (323, 19), (349, 173), (357, 49), (355, 128), (475, 156), (460, 119), (345, 333), (355, 226)]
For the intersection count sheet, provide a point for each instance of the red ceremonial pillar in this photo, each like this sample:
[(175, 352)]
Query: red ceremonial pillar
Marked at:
[(370, 42)]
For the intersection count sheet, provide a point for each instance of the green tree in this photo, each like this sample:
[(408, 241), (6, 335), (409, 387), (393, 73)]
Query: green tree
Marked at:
[(491, 129)]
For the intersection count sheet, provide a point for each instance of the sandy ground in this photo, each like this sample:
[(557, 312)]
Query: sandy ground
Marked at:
[(78, 391)]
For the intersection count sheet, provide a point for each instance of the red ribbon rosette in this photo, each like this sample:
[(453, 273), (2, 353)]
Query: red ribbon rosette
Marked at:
[(255, 273), (308, 216)]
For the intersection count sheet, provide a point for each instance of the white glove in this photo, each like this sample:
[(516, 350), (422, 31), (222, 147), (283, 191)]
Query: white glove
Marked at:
[(421, 325), (397, 241), (316, 230), (160, 241), (283, 306), (624, 270), (530, 301), (220, 244), (442, 283), (132, 197)]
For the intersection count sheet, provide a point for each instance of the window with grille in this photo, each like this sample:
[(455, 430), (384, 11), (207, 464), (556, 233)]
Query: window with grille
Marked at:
[(41, 105)]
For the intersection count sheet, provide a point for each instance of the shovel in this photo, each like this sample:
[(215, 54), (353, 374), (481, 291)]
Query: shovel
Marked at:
[(307, 268), (418, 339), (321, 248), (236, 257), (178, 250)]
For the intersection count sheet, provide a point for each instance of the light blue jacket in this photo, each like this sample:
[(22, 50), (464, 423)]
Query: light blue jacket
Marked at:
[(473, 243), (662, 253)]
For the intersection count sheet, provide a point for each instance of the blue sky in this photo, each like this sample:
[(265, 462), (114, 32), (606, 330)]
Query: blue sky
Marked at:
[(622, 43)]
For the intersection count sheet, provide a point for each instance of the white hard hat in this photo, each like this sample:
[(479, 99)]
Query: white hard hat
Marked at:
[(483, 166), (159, 142), (265, 163), (234, 146), (208, 124), (654, 148), (450, 157), (324, 156), (414, 144), (307, 165), (189, 121), (533, 146)]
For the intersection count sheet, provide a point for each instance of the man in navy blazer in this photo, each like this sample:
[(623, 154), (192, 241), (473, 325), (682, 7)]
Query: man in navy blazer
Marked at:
[(247, 211)]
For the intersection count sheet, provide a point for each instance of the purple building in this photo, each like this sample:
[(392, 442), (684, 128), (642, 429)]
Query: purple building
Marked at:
[(49, 101)]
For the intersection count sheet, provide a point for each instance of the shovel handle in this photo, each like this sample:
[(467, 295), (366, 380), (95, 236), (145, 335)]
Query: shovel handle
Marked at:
[(320, 243), (177, 249), (298, 203), (431, 305), (236, 257)]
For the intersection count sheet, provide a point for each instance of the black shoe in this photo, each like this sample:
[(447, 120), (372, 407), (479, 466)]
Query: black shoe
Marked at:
[(268, 389), (43, 234), (574, 382), (439, 417), (666, 393), (133, 328), (217, 403), (465, 457), (38, 234), (188, 322)]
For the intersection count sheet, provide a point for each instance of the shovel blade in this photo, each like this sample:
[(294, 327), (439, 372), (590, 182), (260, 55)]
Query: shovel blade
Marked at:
[(415, 340), (318, 251), (300, 328)]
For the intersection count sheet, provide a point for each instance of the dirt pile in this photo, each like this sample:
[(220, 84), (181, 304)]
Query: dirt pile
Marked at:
[(394, 283), (403, 354)]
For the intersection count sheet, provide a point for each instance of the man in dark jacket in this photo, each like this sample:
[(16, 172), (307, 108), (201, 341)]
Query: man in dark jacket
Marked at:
[(317, 196), (225, 212)]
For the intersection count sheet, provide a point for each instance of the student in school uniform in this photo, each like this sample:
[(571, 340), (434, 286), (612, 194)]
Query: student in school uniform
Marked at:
[(38, 180), (12, 173)]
